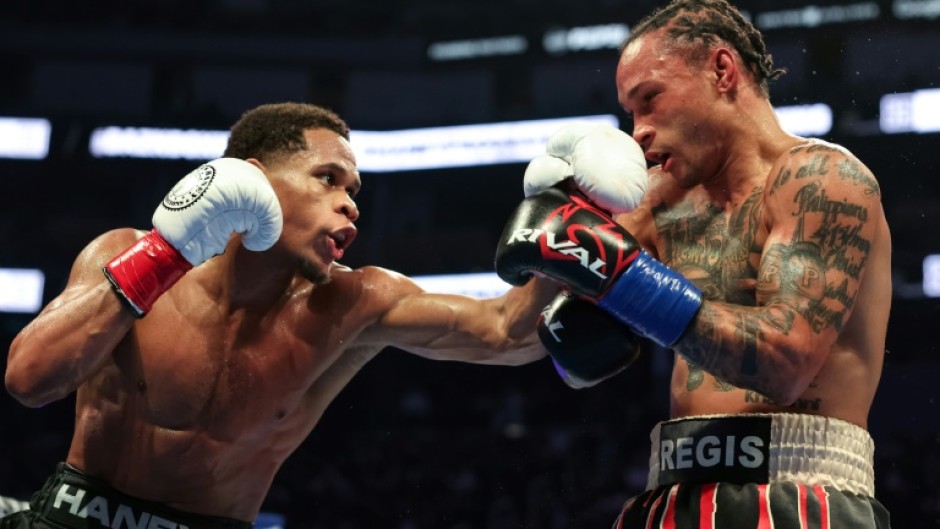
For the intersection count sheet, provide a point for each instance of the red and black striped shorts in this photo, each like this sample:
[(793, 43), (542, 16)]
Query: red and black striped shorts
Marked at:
[(779, 505), (758, 471)]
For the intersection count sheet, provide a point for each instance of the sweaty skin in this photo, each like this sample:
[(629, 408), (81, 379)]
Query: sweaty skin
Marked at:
[(199, 403), (785, 236)]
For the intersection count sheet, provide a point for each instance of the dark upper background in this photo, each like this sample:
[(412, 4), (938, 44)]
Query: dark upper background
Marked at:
[(412, 443)]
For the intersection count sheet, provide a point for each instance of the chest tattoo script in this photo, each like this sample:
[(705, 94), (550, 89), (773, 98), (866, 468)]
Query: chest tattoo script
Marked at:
[(712, 247), (716, 251)]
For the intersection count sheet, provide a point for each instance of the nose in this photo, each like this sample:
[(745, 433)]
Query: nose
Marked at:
[(347, 207), (644, 135)]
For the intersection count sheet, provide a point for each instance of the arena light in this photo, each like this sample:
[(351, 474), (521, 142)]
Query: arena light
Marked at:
[(146, 142), (376, 151), (559, 41), (812, 16), (24, 138), (917, 111), (906, 9), (21, 289), (458, 146), (475, 48), (478, 285), (806, 120), (931, 281)]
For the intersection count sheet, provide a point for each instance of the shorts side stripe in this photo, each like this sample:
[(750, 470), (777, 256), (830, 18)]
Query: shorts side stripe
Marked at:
[(823, 498), (708, 506), (764, 521), (801, 505), (652, 514), (669, 514)]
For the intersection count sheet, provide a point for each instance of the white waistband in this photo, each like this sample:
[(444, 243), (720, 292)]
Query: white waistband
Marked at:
[(806, 449)]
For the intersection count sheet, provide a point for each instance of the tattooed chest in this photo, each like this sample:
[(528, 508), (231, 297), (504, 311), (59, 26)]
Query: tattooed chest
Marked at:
[(718, 249)]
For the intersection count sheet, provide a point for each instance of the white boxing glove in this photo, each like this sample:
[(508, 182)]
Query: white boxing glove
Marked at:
[(606, 164), (217, 199), (193, 223)]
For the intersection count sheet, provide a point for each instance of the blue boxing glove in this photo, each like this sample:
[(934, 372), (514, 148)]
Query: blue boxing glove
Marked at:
[(558, 233), (586, 344)]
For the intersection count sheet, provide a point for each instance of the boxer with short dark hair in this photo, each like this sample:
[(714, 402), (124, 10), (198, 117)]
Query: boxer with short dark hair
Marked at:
[(762, 259), (202, 352)]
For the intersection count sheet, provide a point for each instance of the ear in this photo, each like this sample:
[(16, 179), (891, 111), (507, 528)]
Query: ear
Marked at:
[(726, 71), (257, 163)]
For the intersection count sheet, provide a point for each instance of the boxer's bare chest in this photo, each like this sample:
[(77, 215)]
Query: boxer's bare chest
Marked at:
[(717, 247), (231, 373)]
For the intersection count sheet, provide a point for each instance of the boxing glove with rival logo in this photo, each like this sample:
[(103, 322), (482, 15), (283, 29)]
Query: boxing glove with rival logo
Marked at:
[(586, 344), (559, 233)]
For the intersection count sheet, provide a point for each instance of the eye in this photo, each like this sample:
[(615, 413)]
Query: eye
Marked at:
[(327, 177)]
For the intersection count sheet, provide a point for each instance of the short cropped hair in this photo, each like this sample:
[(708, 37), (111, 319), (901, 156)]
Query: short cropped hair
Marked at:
[(274, 130), (707, 22)]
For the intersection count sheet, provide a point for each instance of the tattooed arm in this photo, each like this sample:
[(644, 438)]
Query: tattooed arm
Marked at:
[(824, 208)]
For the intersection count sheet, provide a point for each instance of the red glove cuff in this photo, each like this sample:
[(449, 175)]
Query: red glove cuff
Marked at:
[(143, 272)]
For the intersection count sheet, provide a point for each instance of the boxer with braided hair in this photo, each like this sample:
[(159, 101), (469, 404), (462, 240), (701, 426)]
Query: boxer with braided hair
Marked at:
[(761, 259)]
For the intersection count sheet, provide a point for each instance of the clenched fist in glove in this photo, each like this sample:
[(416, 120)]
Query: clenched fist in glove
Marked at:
[(586, 344), (605, 163), (193, 223), (563, 236)]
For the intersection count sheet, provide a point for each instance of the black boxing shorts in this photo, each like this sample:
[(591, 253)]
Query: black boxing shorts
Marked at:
[(71, 499), (758, 471)]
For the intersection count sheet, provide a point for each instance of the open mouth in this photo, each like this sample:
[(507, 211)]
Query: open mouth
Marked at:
[(340, 240), (665, 160), (654, 158)]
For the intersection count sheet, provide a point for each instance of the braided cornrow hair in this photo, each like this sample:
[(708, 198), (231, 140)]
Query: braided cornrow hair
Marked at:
[(708, 21)]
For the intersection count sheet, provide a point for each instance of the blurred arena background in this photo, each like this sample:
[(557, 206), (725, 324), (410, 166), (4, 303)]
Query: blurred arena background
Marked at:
[(90, 94)]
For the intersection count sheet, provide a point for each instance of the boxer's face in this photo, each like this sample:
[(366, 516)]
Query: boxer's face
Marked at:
[(673, 107), (316, 188)]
